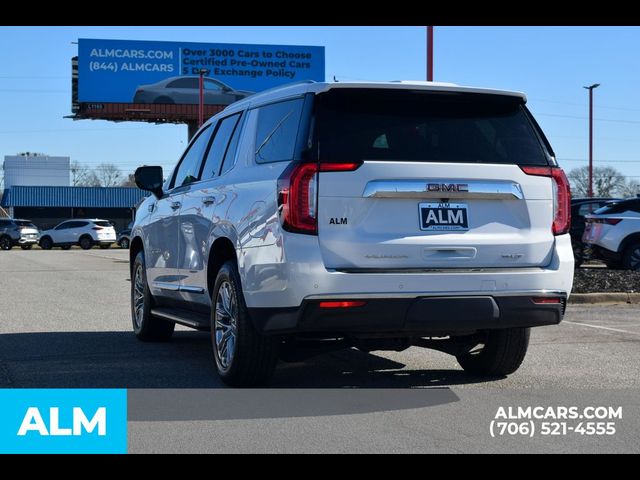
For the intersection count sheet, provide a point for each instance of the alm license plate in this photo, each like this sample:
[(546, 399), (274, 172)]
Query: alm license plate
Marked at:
[(444, 216)]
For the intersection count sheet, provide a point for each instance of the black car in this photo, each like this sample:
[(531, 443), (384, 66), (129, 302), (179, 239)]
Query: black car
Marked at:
[(579, 208)]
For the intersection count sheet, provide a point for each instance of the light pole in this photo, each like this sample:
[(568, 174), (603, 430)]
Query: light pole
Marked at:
[(590, 88), (202, 72), (430, 54)]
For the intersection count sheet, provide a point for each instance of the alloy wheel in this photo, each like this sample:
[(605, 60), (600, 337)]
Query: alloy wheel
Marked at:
[(138, 297), (226, 325)]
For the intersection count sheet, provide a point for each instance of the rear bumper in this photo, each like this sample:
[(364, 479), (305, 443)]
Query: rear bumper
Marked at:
[(28, 241), (417, 316)]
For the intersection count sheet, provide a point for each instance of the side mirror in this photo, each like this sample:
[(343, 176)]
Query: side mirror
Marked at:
[(150, 180)]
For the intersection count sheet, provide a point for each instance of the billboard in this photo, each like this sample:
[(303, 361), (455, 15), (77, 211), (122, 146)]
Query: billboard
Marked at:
[(135, 71)]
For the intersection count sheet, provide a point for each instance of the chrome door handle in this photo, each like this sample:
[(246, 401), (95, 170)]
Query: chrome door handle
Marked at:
[(176, 205), (209, 200)]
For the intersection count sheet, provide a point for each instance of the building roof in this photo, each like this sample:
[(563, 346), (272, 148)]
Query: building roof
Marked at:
[(79, 197)]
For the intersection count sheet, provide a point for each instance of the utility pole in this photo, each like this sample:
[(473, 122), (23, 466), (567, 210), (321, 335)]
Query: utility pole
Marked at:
[(590, 88), (202, 72), (430, 54)]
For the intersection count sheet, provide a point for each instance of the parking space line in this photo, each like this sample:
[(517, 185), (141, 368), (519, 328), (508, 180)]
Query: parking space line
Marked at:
[(602, 328)]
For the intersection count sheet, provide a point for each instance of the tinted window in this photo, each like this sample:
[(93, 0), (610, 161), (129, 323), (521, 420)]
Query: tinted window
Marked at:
[(190, 82), (4, 223), (277, 131), (103, 224), (25, 223), (620, 207), (229, 157), (211, 85), (64, 226), (77, 224), (219, 146), (425, 126), (187, 171), (587, 208)]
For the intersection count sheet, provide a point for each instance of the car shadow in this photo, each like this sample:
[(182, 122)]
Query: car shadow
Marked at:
[(118, 360)]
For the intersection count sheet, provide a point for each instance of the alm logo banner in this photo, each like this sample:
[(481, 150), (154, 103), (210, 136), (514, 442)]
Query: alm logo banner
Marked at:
[(63, 421)]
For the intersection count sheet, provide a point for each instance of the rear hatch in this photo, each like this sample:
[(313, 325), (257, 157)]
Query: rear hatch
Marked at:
[(27, 229), (441, 180), (105, 230)]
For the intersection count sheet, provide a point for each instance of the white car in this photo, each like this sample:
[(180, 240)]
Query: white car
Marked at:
[(612, 234), (320, 216), (85, 233)]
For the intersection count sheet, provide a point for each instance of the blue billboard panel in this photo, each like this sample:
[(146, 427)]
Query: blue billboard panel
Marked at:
[(134, 71)]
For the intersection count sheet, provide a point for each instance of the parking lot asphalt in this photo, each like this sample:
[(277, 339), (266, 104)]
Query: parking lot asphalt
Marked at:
[(65, 323)]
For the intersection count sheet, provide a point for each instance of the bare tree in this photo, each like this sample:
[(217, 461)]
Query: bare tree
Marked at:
[(130, 181), (631, 188), (108, 175), (79, 174), (607, 181)]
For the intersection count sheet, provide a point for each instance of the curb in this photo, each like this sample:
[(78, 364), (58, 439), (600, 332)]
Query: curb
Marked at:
[(596, 298)]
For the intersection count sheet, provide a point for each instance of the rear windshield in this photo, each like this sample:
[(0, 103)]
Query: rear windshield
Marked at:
[(406, 125), (620, 207), (103, 224), (23, 223)]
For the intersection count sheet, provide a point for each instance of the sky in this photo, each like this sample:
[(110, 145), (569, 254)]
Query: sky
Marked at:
[(549, 64)]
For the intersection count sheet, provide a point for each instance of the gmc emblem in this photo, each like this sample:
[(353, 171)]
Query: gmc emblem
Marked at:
[(447, 187)]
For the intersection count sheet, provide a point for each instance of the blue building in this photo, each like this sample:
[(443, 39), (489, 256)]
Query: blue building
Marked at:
[(48, 206)]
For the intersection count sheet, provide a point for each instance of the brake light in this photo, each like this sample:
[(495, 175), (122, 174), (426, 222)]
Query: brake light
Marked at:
[(97, 228), (347, 304), (561, 196), (298, 197), (608, 221)]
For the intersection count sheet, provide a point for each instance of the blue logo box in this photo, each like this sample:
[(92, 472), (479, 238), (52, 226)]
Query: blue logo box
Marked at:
[(63, 421)]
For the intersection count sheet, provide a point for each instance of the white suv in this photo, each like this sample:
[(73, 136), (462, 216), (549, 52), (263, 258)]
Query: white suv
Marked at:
[(318, 216), (85, 233), (612, 234)]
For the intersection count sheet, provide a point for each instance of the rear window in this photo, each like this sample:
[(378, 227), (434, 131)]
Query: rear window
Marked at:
[(406, 125), (103, 224), (620, 207), (22, 223)]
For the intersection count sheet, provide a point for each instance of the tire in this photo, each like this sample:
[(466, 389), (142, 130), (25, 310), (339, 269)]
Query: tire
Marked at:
[(26, 247), (146, 327), (66, 247), (86, 243), (5, 243), (249, 358), (46, 243), (502, 354), (124, 243), (631, 257), (105, 247)]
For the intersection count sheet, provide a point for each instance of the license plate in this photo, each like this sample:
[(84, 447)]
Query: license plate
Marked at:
[(444, 216)]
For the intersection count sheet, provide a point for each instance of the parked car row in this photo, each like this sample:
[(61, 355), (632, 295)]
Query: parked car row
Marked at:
[(85, 233)]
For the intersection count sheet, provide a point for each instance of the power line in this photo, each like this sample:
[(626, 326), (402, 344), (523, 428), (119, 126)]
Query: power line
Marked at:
[(580, 117), (608, 107)]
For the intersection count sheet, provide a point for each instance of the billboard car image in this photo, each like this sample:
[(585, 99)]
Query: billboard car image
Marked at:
[(186, 90)]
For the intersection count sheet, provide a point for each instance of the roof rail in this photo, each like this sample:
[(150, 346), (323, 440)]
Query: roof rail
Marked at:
[(279, 87)]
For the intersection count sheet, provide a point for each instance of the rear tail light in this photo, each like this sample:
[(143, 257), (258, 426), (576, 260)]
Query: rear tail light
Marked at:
[(97, 228), (298, 196), (561, 196), (347, 304), (608, 221)]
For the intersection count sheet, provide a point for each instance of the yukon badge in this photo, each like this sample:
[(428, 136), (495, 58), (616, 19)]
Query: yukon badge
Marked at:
[(447, 187)]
